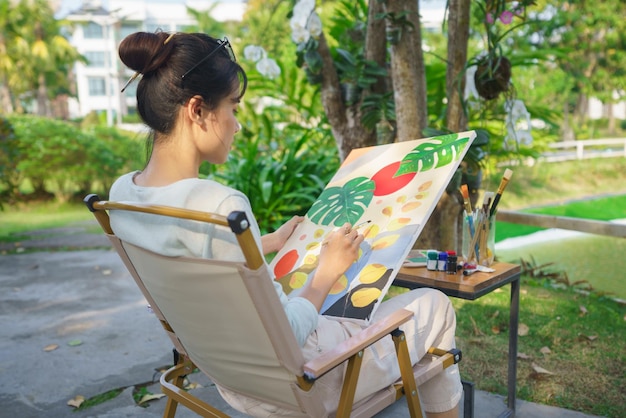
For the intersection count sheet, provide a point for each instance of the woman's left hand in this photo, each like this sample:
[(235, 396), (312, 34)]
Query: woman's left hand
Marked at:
[(276, 240)]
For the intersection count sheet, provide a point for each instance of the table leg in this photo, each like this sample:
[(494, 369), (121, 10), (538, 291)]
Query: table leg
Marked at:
[(513, 327), (468, 399)]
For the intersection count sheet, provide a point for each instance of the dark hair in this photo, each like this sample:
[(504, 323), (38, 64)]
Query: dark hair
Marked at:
[(162, 59)]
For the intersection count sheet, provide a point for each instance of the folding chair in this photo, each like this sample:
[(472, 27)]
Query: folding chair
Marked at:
[(225, 319)]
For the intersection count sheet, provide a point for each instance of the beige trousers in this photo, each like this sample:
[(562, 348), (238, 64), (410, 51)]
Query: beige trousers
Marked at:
[(433, 324)]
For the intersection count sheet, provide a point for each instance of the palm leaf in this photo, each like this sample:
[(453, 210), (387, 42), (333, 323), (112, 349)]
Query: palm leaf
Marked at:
[(433, 153), (347, 203)]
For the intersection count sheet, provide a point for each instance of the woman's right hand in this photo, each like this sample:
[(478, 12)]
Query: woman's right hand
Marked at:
[(339, 251)]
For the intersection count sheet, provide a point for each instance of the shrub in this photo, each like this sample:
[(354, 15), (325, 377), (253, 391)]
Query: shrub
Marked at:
[(60, 159), (127, 150), (9, 179)]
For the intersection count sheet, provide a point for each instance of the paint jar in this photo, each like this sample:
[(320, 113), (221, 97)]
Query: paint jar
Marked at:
[(442, 261), (452, 262), (431, 263), (479, 232)]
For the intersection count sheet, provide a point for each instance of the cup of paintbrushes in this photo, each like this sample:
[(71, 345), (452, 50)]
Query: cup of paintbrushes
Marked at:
[(478, 242)]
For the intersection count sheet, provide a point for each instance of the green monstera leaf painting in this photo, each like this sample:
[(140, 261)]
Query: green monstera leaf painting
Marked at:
[(393, 189), (341, 204), (437, 152)]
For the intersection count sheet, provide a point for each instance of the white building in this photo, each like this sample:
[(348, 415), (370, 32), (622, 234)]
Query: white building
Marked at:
[(100, 25)]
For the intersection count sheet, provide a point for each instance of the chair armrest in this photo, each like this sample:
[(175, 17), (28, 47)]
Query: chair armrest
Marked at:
[(316, 367)]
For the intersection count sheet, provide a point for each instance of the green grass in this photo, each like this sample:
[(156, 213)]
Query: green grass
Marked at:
[(577, 337), (589, 259), (547, 184), (600, 209), (16, 221), (100, 398), (584, 334), (591, 262)]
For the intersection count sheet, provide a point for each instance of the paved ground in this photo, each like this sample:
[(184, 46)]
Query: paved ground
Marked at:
[(73, 323)]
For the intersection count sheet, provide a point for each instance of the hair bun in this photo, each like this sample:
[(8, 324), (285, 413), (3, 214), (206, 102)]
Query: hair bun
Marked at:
[(137, 50)]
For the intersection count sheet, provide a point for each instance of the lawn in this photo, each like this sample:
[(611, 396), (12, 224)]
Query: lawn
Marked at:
[(30, 217), (571, 347)]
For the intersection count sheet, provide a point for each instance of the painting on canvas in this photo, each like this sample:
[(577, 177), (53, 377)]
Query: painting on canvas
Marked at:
[(393, 188)]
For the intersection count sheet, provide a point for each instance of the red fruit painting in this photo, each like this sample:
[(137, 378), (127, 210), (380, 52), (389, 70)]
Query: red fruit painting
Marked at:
[(285, 264), (387, 182)]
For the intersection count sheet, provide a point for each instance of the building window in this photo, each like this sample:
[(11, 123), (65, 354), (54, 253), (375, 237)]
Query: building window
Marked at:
[(97, 86), (95, 59), (126, 30), (93, 31)]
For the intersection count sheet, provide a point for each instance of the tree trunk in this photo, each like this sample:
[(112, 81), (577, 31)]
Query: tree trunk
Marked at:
[(345, 121), (406, 57), (567, 133), (580, 111), (5, 99), (375, 42), (42, 97), (443, 229), (458, 35), (610, 114)]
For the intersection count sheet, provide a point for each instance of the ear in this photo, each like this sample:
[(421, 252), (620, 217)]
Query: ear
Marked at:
[(194, 109)]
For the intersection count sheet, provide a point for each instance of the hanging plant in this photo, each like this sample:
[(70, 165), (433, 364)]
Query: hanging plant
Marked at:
[(492, 76), (493, 68)]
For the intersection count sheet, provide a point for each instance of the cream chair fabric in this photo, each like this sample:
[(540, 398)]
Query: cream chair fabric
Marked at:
[(225, 319)]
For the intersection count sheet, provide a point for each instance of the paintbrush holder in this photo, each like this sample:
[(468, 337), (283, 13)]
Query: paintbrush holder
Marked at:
[(478, 243)]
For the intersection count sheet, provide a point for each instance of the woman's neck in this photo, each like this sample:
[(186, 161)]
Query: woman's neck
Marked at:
[(167, 165)]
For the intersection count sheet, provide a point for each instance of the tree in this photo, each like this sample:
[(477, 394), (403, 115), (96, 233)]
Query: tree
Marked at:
[(377, 86), (393, 23), (35, 57), (10, 44), (205, 23), (591, 37), (444, 226)]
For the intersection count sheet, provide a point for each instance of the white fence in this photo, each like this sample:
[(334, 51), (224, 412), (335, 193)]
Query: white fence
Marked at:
[(589, 148)]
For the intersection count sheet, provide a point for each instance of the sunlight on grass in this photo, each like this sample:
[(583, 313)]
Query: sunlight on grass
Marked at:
[(40, 216), (595, 259)]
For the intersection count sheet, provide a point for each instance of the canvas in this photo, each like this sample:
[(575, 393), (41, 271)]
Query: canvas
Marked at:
[(391, 190)]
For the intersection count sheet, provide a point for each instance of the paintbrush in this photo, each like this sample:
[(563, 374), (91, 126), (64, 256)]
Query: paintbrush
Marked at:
[(483, 232), (487, 199), (357, 226), (468, 211), (503, 183), (466, 200), (473, 248)]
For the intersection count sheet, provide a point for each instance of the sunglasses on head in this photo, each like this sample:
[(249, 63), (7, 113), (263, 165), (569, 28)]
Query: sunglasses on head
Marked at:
[(222, 43)]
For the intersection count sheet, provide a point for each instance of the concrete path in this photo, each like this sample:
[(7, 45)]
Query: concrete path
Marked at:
[(73, 323)]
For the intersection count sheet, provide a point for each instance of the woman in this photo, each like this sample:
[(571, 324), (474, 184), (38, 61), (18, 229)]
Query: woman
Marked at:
[(188, 95)]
